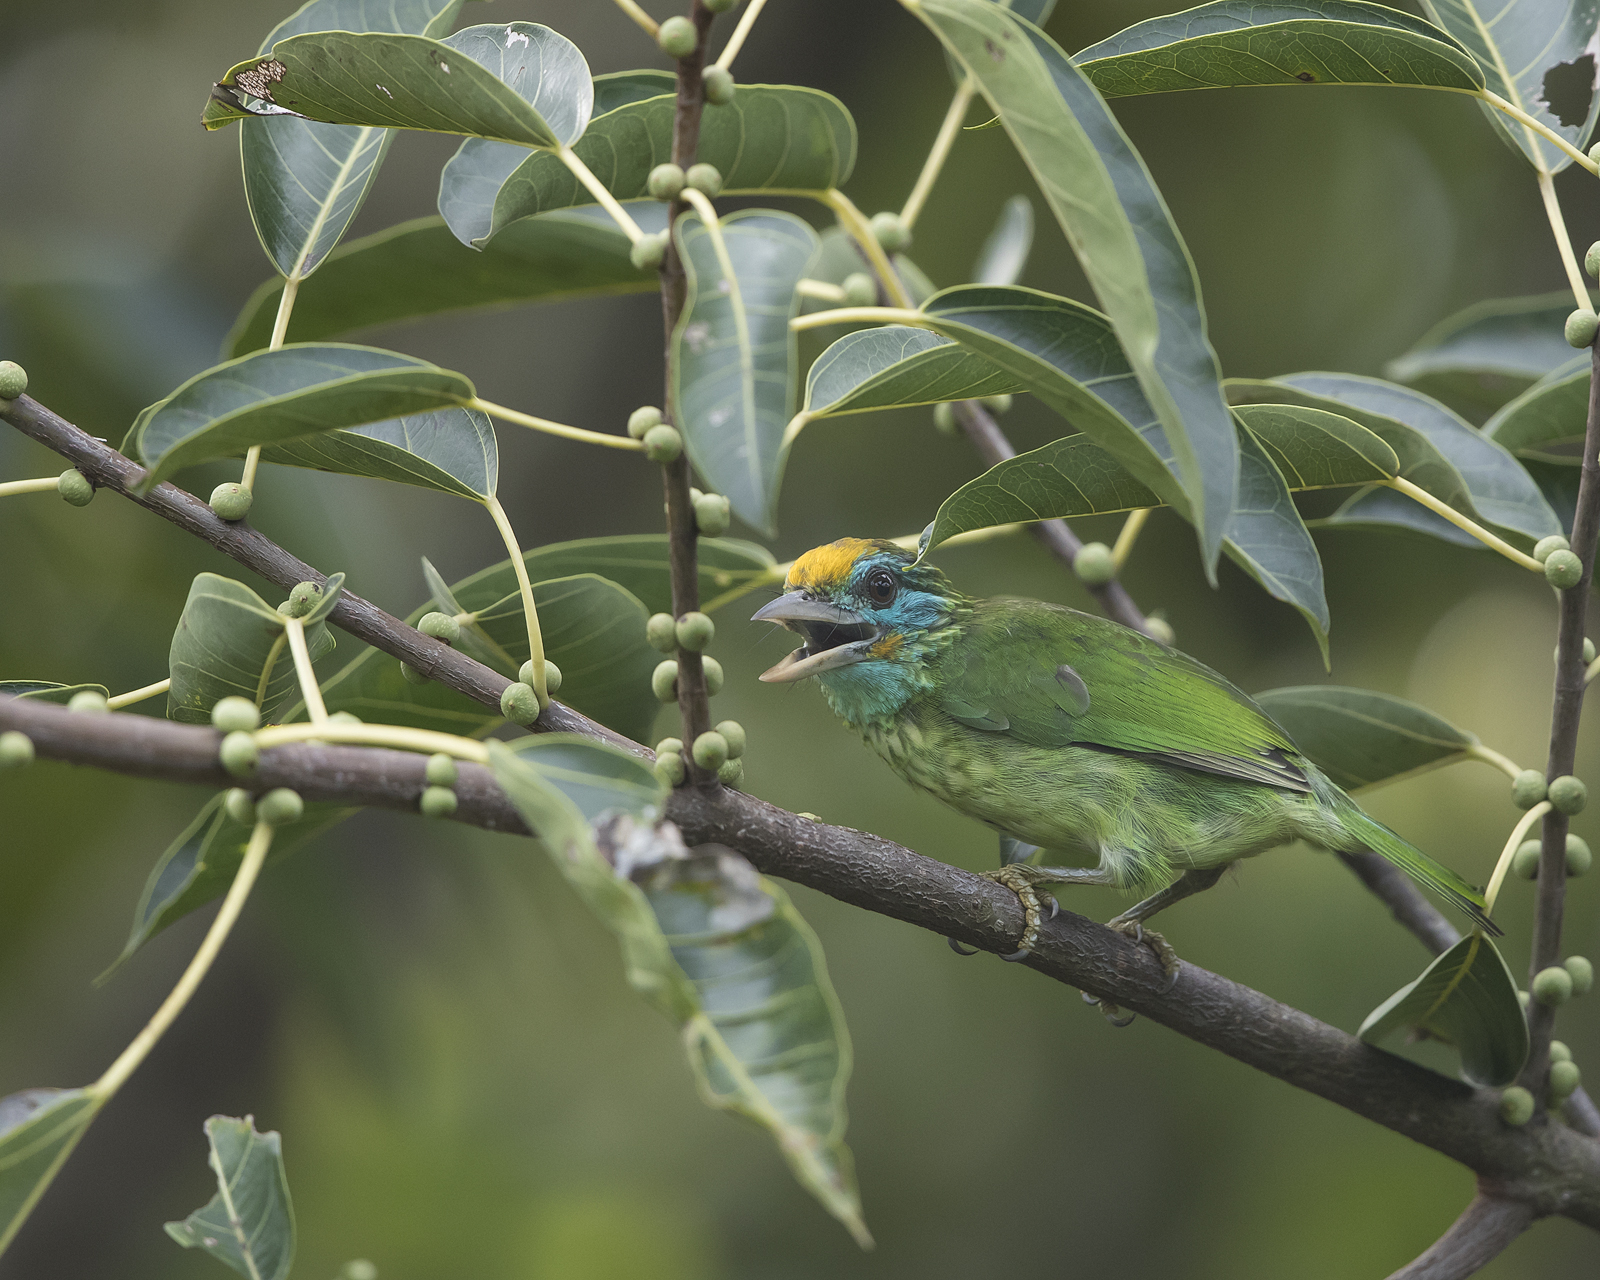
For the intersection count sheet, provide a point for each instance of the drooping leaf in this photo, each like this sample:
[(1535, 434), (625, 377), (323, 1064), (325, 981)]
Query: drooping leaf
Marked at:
[(1517, 43), (1481, 357), (705, 940), (1438, 451), (592, 629), (229, 642), (1240, 42), (1005, 252), (1361, 738), (1119, 226), (249, 1223), (897, 365), (200, 864), (419, 269), (305, 181), (1466, 998), (49, 691), (451, 450), (770, 137), (472, 178), (1547, 422), (38, 1130), (520, 83), (733, 368), (275, 396)]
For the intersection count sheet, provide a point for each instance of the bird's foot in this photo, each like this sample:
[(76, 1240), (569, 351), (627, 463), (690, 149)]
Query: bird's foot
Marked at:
[(1021, 880), (1170, 963), (1113, 1013)]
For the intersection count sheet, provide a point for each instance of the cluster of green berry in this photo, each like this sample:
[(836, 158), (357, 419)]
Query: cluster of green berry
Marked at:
[(1552, 987), (1583, 324), (1516, 1103), (667, 182), (438, 799), (519, 703), (718, 749), (73, 486), (1566, 794), (1562, 569)]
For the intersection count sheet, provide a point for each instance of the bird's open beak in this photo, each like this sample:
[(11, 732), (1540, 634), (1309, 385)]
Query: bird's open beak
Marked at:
[(834, 637)]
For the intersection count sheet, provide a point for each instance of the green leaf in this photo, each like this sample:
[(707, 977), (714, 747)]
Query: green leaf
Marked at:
[(592, 628), (305, 181), (451, 450), (472, 178), (38, 1130), (894, 366), (733, 366), (1466, 998), (199, 866), (840, 257), (230, 642), (48, 691), (249, 1223), (1005, 252), (1315, 449), (1547, 422), (1437, 450), (1241, 42), (1119, 226), (274, 396), (705, 940), (1478, 359), (1360, 738), (520, 83), (769, 138), (419, 269), (1516, 43)]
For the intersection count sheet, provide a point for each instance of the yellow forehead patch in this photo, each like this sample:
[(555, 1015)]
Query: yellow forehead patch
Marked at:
[(824, 568), (888, 646)]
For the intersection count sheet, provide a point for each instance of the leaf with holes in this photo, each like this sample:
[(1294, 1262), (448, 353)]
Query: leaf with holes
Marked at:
[(1466, 998), (1112, 213), (769, 138), (1361, 738), (733, 370), (1547, 422), (520, 83), (230, 643), (451, 450), (305, 181), (1529, 51), (199, 866), (1236, 43), (1478, 359), (709, 943), (38, 1130), (249, 1223), (419, 269), (275, 396)]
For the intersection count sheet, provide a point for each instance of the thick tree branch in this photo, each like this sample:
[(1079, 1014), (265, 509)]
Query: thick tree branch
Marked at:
[(1546, 1166), (1476, 1238), (995, 448)]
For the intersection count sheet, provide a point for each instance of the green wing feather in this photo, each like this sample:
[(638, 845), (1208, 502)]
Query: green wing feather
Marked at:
[(1054, 677)]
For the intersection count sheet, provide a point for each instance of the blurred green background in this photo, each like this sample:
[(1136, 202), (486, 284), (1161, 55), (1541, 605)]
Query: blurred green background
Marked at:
[(464, 1083)]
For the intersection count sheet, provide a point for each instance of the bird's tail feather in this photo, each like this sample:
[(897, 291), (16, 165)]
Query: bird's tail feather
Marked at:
[(1419, 866)]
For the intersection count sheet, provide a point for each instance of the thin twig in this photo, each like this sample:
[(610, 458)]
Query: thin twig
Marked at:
[(1550, 898), (938, 153), (1477, 1237), (741, 33)]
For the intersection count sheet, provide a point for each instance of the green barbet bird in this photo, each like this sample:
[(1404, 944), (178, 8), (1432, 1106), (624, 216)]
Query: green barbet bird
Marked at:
[(1068, 733)]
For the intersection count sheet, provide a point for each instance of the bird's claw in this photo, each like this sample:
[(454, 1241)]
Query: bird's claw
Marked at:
[(1113, 1013), (1170, 963), (1016, 877), (961, 950)]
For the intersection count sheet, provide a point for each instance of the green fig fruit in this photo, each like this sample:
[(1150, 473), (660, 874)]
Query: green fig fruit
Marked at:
[(231, 501), (437, 802), (236, 715), (441, 770), (665, 181), (733, 732), (664, 444), (1094, 565), (695, 631), (677, 37), (706, 179), (280, 807), (74, 488)]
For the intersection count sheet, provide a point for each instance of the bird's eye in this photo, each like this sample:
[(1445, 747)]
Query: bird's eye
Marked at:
[(881, 587)]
